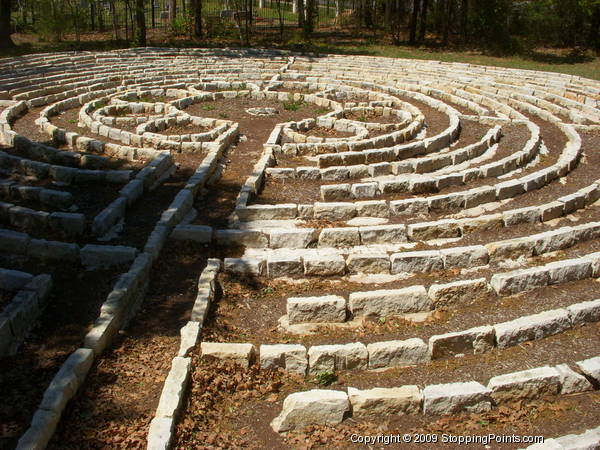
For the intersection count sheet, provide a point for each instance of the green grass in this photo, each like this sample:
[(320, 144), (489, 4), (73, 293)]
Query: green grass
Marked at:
[(293, 105)]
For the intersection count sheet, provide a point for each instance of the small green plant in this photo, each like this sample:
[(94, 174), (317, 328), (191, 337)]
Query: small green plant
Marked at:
[(321, 111), (267, 290), (310, 67), (362, 118), (325, 378), (381, 321), (223, 115), (243, 86), (208, 107), (72, 121), (292, 105)]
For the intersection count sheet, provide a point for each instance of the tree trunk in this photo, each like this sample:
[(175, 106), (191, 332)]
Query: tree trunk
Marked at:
[(594, 36), (5, 39), (140, 19), (172, 10), (448, 21), (301, 16), (197, 11), (423, 26), (413, 22), (115, 19), (464, 10)]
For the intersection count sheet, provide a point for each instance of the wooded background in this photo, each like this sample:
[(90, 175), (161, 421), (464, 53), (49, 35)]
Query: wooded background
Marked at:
[(504, 26)]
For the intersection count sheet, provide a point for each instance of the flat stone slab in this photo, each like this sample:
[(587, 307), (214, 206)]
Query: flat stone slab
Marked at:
[(242, 354), (388, 302), (398, 353), (382, 402), (591, 368), (315, 407), (532, 327), (290, 357), (527, 384), (329, 308), (452, 398)]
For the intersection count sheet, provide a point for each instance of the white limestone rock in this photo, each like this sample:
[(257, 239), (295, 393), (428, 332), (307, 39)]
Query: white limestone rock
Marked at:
[(332, 358), (314, 407), (452, 398), (290, 357), (420, 261), (473, 340), (571, 381), (528, 328), (527, 384), (383, 402), (242, 354), (583, 312), (518, 281), (591, 368), (464, 291), (329, 308), (388, 302), (398, 353)]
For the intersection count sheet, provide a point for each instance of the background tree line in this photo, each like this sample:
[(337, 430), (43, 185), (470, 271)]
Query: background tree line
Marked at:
[(500, 25)]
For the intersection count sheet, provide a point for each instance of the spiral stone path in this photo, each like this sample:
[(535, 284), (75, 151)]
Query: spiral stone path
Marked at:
[(414, 238)]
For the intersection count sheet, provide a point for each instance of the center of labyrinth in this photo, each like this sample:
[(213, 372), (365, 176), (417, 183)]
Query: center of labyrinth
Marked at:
[(253, 249)]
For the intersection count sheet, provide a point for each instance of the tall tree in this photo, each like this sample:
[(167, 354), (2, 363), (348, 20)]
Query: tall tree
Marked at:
[(5, 11), (465, 20), (140, 20), (197, 11), (423, 26), (413, 21)]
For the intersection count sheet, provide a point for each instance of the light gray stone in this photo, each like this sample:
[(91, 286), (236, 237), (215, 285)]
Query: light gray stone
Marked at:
[(397, 353), (453, 398), (242, 354), (527, 384), (290, 357), (519, 280), (189, 336), (371, 262), (383, 402), (315, 407), (245, 265), (446, 228), (383, 303), (420, 261), (171, 398), (591, 368), (339, 237), (334, 211), (569, 270), (474, 340), (581, 313), (329, 308), (572, 382), (284, 266), (97, 256), (324, 264), (332, 358), (463, 291), (472, 256), (528, 328), (291, 238), (383, 234)]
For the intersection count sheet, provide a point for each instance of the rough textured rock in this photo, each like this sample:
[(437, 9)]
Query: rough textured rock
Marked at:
[(315, 407), (291, 357), (242, 354), (464, 291), (324, 264), (591, 368), (571, 381), (397, 353), (532, 327), (324, 358), (372, 262), (474, 340), (520, 280), (382, 402), (452, 398), (389, 302), (584, 312), (526, 384), (422, 261), (329, 308)]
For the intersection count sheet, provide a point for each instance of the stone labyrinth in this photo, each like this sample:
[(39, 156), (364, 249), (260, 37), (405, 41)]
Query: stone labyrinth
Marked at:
[(427, 233)]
